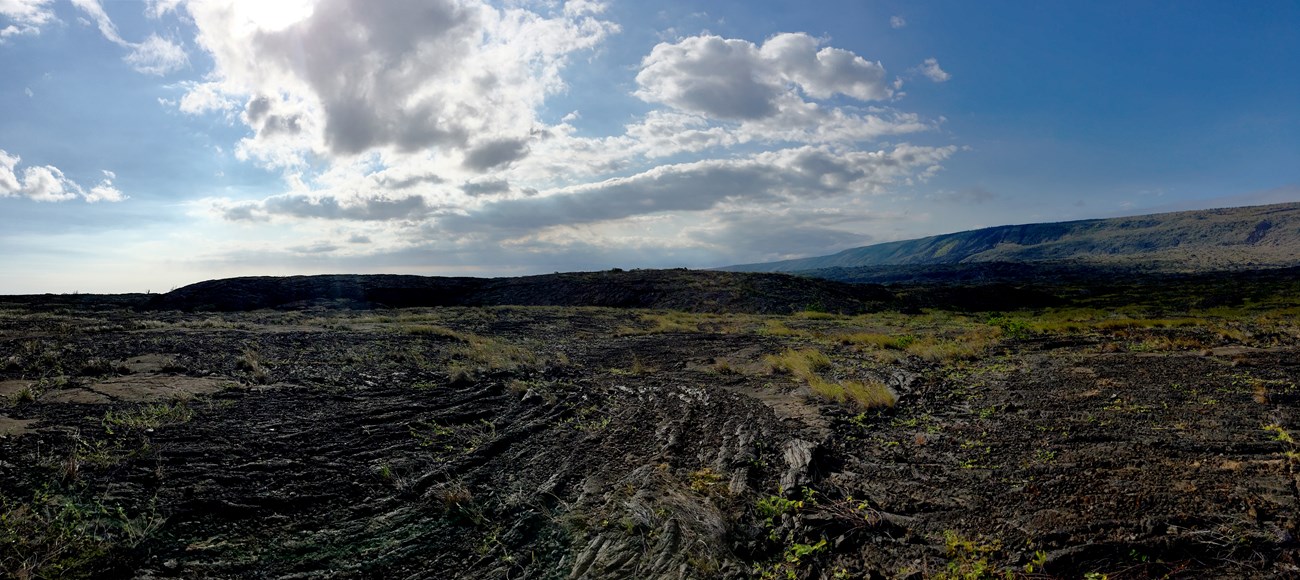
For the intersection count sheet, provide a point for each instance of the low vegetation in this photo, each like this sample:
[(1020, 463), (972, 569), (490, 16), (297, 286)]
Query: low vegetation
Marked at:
[(543, 440)]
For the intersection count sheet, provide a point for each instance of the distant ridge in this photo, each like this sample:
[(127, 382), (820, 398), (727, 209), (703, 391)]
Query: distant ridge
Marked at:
[(1266, 236), (692, 290)]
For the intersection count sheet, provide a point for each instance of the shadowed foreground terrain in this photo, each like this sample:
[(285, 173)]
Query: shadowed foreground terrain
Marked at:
[(1104, 434)]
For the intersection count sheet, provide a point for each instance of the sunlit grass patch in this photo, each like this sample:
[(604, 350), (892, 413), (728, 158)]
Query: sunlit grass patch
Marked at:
[(867, 395), (152, 416), (667, 322), (805, 365), (800, 363), (877, 340)]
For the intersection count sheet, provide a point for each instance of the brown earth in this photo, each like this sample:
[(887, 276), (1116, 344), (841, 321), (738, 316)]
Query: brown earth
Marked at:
[(591, 443)]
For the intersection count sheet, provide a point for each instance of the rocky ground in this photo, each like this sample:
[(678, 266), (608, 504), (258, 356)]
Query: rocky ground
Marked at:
[(548, 442)]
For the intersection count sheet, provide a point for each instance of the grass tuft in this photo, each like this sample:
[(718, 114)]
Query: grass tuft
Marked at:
[(805, 365)]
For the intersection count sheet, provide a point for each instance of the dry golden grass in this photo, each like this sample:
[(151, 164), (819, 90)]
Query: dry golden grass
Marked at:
[(800, 363), (667, 322), (867, 395), (876, 340), (804, 365)]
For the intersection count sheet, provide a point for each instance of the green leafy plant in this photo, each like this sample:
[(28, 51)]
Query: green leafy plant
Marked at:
[(968, 558)]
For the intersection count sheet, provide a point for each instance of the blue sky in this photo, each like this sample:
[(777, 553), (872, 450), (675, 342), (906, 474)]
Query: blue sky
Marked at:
[(146, 145)]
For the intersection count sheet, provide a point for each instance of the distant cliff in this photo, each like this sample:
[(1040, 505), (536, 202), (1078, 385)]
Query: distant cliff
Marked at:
[(1189, 241)]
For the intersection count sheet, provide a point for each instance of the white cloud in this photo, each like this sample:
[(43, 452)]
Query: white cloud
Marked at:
[(158, 8), (442, 151), (154, 56), (736, 80), (104, 190), (826, 72), (710, 75), (788, 175), (204, 97), (47, 183), (100, 19), (26, 17), (897, 22), (461, 77), (930, 68), (28, 91), (157, 56)]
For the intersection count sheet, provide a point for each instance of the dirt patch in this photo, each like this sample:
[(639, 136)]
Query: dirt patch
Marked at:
[(14, 427), (151, 363), (141, 388), (144, 388), (75, 395), (8, 389)]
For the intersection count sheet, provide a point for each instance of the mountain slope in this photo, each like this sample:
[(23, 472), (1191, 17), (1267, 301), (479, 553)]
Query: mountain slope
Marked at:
[(1259, 236)]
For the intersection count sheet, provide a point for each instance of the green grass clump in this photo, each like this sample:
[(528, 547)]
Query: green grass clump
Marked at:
[(867, 395), (801, 363), (668, 322), (805, 365), (878, 340), (147, 417), (54, 536)]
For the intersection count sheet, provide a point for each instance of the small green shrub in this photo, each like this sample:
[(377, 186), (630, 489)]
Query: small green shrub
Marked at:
[(151, 416), (1013, 328)]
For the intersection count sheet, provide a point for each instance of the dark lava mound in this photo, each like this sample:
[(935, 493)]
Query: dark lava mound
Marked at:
[(690, 290)]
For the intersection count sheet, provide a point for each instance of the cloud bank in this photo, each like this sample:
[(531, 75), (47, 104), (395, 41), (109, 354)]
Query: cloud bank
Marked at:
[(423, 132)]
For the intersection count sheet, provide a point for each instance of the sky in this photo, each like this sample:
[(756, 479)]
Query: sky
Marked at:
[(150, 144)]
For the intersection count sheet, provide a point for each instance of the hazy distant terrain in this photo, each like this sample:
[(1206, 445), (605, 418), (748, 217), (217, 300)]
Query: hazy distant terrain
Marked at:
[(1190, 241)]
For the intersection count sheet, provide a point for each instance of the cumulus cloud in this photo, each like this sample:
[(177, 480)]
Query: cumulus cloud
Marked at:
[(930, 68), (897, 22), (26, 17), (738, 80), (722, 78), (413, 129), (155, 56), (104, 190), (47, 183), (825, 72), (458, 76)]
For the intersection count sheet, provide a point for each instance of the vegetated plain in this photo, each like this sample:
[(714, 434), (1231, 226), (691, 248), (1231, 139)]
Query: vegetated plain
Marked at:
[(1116, 430)]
